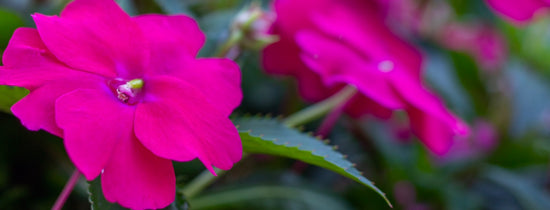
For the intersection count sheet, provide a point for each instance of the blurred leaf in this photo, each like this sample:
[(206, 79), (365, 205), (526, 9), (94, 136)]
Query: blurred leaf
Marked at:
[(9, 95), (261, 93), (468, 75), (460, 7), (128, 6), (98, 202), (9, 21), (535, 44), (521, 152), (309, 198), (530, 99), (269, 136), (458, 198), (216, 27), (174, 7), (465, 9), (441, 75), (528, 194)]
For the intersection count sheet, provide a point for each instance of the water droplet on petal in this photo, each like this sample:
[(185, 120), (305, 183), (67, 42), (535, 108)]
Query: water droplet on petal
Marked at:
[(385, 66)]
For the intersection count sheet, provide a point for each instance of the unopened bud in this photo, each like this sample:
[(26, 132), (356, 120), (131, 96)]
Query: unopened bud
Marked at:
[(254, 24)]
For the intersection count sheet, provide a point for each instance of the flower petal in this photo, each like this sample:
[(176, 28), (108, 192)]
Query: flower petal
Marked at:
[(283, 56), (176, 121), (430, 120), (361, 105), (28, 63), (218, 79), (170, 35), (338, 63), (358, 25), (423, 100), (137, 179), (93, 121), (37, 110), (309, 83), (282, 50), (35, 117), (108, 44), (25, 44), (520, 12), (433, 132), (311, 86), (293, 16)]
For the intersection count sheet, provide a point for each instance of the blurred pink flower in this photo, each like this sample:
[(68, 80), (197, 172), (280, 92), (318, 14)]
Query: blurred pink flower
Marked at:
[(483, 139), (519, 12), (405, 195), (435, 20), (485, 44), (127, 95), (327, 44), (403, 15)]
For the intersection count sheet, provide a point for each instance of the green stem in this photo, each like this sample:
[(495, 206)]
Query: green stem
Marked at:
[(235, 37), (200, 182), (203, 180), (319, 109)]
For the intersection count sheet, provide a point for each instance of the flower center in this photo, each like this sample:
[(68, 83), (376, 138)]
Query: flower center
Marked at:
[(128, 92)]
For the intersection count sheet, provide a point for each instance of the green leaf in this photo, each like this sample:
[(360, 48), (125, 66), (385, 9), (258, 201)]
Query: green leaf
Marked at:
[(442, 77), (242, 197), (530, 93), (174, 7), (269, 136), (468, 75), (9, 95), (128, 6), (9, 21), (98, 202), (529, 194)]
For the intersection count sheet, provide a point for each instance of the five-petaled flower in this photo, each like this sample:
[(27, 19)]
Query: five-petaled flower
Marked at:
[(327, 44), (127, 95)]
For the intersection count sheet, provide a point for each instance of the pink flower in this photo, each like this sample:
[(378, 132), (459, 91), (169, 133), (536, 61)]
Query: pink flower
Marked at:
[(483, 140), (485, 44), (436, 20), (327, 44), (519, 12), (403, 15), (127, 95)]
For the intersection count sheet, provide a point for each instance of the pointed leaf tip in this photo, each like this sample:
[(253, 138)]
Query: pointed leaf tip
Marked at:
[(270, 136)]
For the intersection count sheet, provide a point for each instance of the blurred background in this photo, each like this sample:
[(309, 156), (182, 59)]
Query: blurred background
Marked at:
[(492, 73)]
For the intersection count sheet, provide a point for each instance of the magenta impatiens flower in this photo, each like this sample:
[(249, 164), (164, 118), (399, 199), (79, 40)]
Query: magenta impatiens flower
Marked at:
[(327, 44), (127, 95), (519, 12)]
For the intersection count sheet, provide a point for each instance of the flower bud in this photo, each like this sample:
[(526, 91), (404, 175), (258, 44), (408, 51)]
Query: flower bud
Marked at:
[(253, 25)]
